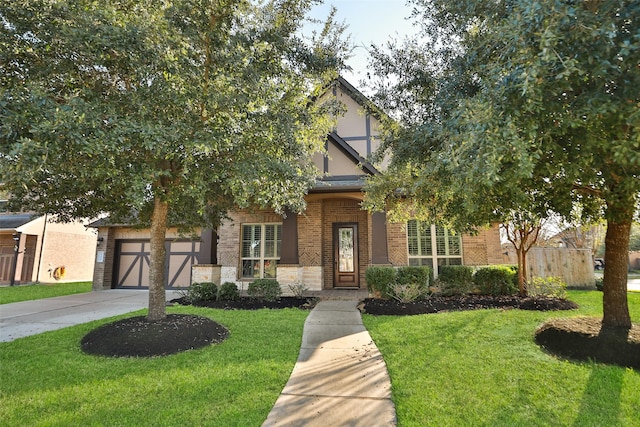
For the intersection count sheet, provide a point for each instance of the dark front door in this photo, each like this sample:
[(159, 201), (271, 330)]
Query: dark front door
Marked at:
[(345, 255)]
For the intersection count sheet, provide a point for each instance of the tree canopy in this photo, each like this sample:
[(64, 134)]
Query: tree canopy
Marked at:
[(517, 105), (161, 112)]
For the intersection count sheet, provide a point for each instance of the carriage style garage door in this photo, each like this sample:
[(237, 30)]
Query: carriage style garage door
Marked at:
[(132, 263)]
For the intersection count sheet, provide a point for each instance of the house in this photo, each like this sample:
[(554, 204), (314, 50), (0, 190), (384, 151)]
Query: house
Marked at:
[(328, 246), (35, 249)]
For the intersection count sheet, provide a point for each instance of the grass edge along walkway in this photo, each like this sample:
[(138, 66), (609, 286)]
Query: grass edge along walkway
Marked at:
[(483, 368), (30, 292)]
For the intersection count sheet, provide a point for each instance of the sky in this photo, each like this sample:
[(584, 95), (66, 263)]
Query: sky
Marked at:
[(369, 21)]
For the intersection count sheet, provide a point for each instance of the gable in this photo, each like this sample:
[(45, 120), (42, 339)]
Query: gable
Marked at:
[(356, 136)]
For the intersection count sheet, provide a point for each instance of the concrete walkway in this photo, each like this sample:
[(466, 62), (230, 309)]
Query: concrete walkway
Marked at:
[(340, 378), (26, 318)]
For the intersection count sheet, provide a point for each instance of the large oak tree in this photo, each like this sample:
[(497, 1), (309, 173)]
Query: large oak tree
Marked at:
[(518, 105), (161, 112)]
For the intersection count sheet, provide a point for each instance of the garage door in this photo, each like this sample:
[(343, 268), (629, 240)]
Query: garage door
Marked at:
[(132, 263)]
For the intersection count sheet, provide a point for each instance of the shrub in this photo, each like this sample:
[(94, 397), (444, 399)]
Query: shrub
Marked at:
[(298, 289), (496, 280), (408, 292), (228, 292), (547, 286), (380, 279), (205, 291), (462, 274), (414, 274), (264, 289), (455, 279), (600, 284)]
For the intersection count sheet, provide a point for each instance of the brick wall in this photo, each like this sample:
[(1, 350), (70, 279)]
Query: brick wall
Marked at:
[(483, 248), (344, 211), (397, 243)]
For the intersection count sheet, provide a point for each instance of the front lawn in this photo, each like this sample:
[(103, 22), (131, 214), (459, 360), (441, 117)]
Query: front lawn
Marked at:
[(47, 380), (9, 294), (483, 368)]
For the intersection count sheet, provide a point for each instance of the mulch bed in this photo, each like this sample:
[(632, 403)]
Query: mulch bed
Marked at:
[(138, 337), (584, 338), (459, 303), (246, 303)]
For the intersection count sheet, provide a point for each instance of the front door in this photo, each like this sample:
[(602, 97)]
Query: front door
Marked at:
[(345, 255)]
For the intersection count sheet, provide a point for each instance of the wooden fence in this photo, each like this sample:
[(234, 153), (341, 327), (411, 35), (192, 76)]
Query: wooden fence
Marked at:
[(573, 266)]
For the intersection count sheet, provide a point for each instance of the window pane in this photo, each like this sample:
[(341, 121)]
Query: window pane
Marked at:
[(346, 253), (270, 269), (250, 268), (251, 241), (454, 244)]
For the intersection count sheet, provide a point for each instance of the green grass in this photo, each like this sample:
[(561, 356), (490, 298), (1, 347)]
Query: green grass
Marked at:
[(9, 294), (483, 368), (46, 380)]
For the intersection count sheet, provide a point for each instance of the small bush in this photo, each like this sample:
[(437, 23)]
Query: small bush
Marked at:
[(414, 274), (455, 279), (265, 289), (407, 293), (298, 289), (380, 279), (228, 292), (547, 286), (600, 284), (462, 274), (205, 291), (496, 280)]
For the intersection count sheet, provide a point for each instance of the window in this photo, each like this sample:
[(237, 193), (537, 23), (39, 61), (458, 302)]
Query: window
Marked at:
[(423, 238), (260, 250)]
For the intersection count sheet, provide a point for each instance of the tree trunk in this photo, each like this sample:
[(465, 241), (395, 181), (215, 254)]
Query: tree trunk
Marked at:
[(522, 274), (157, 297), (615, 305), (522, 266)]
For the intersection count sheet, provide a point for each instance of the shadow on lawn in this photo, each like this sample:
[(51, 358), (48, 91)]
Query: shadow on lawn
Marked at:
[(598, 406)]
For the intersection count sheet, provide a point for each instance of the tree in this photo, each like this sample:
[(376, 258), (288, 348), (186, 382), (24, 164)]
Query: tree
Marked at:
[(499, 101), (161, 113), (522, 231)]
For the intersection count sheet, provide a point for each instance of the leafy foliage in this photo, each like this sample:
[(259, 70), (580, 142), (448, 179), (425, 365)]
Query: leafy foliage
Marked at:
[(409, 274), (161, 113), (455, 279), (547, 286), (496, 280), (516, 106), (406, 283), (205, 291), (228, 291), (407, 292), (264, 289), (380, 279)]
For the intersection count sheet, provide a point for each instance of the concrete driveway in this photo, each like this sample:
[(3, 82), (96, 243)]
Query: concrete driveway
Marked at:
[(26, 318)]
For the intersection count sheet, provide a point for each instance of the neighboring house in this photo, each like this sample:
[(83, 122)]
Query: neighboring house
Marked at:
[(328, 246), (35, 249)]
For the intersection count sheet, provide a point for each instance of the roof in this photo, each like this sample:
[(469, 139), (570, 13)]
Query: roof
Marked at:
[(352, 154), (13, 221), (343, 184), (360, 98)]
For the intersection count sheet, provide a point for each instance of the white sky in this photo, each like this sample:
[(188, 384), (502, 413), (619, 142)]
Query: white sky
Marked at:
[(369, 21)]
